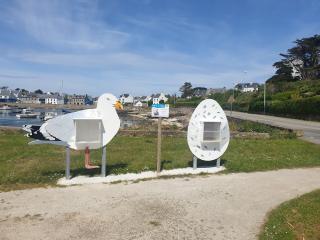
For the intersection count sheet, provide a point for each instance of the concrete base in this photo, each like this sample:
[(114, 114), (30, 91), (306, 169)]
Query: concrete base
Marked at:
[(136, 176)]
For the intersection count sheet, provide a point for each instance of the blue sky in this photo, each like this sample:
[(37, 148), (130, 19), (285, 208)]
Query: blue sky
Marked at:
[(146, 46)]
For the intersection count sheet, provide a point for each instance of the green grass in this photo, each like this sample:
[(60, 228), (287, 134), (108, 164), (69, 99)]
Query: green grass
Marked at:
[(295, 219), (23, 165), (246, 155)]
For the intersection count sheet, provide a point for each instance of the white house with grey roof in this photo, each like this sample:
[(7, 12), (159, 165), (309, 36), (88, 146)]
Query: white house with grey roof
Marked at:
[(247, 87), (158, 98), (54, 99), (126, 99)]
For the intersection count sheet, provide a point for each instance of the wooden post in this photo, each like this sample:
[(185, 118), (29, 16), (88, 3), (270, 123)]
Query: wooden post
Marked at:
[(159, 146)]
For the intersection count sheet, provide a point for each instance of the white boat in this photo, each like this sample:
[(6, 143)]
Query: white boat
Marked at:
[(49, 115), (27, 113), (5, 109)]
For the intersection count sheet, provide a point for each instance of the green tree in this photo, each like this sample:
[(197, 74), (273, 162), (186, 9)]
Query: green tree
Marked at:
[(303, 59), (186, 90), (24, 91), (38, 91)]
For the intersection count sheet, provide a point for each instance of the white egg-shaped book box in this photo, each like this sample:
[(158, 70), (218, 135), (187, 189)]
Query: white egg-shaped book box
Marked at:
[(208, 131)]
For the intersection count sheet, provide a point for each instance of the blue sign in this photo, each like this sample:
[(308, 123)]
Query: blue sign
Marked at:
[(160, 110), (158, 105)]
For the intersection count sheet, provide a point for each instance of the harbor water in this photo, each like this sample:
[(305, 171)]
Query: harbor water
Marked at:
[(9, 119)]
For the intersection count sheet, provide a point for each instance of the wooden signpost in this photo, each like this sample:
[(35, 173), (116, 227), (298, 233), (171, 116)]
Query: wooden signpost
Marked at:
[(159, 111), (159, 145)]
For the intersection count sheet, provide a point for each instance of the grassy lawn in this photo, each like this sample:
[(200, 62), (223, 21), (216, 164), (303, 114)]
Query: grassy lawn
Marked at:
[(22, 165), (246, 155), (295, 219)]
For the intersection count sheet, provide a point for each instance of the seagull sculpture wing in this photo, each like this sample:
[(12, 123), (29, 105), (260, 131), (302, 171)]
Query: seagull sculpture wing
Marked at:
[(62, 128)]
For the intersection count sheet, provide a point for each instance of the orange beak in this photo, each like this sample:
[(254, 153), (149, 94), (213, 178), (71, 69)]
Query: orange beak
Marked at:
[(118, 105)]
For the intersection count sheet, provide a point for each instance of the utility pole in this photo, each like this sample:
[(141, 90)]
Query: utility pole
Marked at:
[(264, 97), (232, 100)]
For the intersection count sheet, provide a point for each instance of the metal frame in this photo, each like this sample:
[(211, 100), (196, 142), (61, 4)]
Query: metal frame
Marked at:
[(104, 161), (195, 162), (67, 162), (67, 171)]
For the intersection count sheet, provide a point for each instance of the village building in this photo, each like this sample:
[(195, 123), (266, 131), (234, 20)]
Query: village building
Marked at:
[(211, 91), (138, 104), (146, 99), (77, 100), (126, 99), (7, 95), (54, 99), (30, 99), (247, 87), (159, 98), (199, 92)]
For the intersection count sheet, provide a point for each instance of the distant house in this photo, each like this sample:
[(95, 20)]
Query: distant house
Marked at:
[(54, 99), (138, 104), (216, 90), (16, 93), (158, 98), (142, 99), (155, 100), (199, 92), (42, 98), (77, 99), (30, 99), (6, 95), (146, 98), (126, 99), (247, 87)]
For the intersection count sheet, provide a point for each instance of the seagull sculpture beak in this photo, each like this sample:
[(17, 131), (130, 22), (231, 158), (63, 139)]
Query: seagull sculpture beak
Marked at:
[(118, 105)]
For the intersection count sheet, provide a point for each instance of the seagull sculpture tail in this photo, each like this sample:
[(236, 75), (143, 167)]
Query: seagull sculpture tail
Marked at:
[(38, 132)]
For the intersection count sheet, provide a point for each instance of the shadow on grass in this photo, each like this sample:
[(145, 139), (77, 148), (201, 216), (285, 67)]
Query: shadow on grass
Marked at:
[(165, 162), (207, 164), (89, 172)]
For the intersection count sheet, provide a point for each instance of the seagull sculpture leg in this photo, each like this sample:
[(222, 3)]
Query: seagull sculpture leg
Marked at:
[(87, 161)]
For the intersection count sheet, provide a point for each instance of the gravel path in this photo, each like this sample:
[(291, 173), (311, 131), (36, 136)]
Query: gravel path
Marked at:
[(231, 206)]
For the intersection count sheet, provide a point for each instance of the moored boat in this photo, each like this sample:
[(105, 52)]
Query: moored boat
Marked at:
[(5, 109), (50, 115), (27, 113)]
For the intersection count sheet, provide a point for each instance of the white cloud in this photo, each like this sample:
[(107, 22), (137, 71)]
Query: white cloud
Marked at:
[(74, 43), (65, 24)]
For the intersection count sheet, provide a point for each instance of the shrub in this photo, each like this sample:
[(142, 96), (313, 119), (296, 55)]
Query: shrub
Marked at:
[(299, 107)]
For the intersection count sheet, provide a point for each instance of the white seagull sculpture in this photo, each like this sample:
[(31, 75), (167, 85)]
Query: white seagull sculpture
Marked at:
[(86, 129)]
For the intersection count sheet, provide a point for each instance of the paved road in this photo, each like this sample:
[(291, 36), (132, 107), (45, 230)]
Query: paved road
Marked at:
[(231, 206), (311, 129)]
